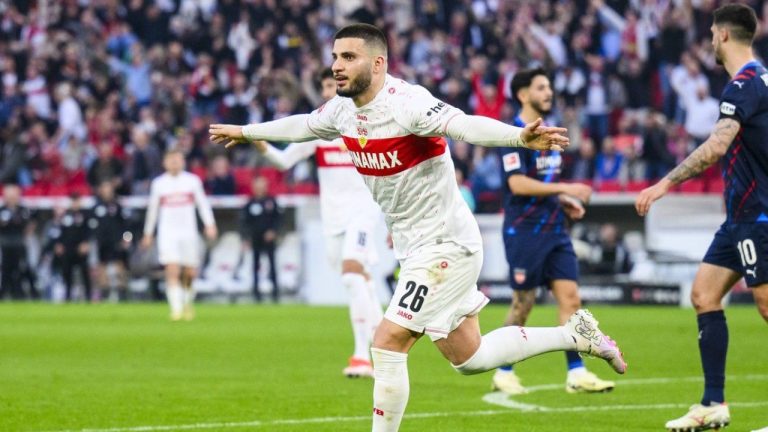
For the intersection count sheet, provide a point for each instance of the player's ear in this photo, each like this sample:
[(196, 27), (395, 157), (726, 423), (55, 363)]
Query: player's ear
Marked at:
[(379, 63)]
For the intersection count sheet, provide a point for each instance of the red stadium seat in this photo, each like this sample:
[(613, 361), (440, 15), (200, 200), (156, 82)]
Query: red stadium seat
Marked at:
[(243, 177), (637, 186), (200, 172), (610, 186), (716, 186), (692, 186)]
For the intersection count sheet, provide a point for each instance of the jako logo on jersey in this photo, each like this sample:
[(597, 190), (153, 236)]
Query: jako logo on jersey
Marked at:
[(436, 109), (375, 160), (361, 117), (511, 162), (727, 108), (549, 162), (405, 315)]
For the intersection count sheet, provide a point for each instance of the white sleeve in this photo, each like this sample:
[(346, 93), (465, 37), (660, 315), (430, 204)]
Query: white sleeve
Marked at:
[(153, 206), (203, 206), (322, 121), (483, 131), (284, 159), (423, 114), (288, 129)]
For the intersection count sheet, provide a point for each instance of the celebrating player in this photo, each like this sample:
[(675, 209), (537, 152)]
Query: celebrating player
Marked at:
[(349, 217), (394, 132), (535, 208), (738, 249), (173, 197)]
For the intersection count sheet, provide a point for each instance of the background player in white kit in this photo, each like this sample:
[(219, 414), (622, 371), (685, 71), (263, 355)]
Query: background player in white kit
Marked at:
[(349, 217), (173, 198), (394, 131)]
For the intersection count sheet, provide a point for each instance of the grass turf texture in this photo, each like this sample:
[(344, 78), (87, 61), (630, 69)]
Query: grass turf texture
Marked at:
[(74, 367)]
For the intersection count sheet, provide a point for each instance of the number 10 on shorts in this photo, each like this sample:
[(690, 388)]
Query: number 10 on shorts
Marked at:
[(747, 252)]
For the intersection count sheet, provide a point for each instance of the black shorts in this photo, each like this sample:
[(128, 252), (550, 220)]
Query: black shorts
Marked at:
[(742, 248)]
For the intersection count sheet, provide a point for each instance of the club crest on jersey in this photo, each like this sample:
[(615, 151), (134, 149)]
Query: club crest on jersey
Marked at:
[(362, 141), (727, 108)]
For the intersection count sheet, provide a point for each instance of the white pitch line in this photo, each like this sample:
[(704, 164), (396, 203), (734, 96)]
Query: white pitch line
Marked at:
[(518, 409)]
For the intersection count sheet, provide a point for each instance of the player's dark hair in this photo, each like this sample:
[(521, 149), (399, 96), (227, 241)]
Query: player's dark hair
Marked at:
[(741, 19), (523, 79), (327, 73), (372, 35)]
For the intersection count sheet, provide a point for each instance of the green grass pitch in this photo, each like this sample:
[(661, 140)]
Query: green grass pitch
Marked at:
[(125, 368)]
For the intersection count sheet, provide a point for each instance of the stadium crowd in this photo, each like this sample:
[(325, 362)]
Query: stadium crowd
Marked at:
[(96, 90)]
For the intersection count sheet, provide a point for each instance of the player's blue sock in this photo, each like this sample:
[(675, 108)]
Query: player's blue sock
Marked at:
[(507, 368), (574, 360), (713, 346)]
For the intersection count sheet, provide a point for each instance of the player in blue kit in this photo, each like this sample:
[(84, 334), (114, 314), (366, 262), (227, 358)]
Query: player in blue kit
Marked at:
[(539, 250), (740, 247)]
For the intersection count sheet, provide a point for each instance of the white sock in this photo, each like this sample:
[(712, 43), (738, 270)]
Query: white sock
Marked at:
[(577, 371), (175, 296), (358, 312), (188, 296), (390, 389), (376, 313), (509, 345)]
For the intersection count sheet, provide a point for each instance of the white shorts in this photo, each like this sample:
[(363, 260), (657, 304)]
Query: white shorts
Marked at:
[(353, 244), (437, 289), (184, 251)]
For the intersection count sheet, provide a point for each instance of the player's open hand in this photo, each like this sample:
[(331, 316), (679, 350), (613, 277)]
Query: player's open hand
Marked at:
[(649, 195), (229, 135), (572, 207), (539, 137)]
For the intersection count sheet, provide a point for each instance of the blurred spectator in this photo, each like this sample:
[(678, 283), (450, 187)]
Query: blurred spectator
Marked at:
[(16, 223), (221, 181), (106, 168), (609, 256), (259, 222), (144, 163), (466, 193), (69, 115), (701, 115), (72, 246), (656, 155), (596, 105), (609, 163), (686, 80), (109, 224), (583, 166)]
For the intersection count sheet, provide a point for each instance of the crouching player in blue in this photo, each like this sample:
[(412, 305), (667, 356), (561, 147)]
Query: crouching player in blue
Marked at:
[(740, 247), (539, 250)]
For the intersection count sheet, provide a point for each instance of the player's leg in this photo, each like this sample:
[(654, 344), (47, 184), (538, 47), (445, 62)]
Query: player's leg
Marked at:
[(710, 285), (354, 280), (173, 290), (525, 276), (391, 387), (85, 275), (761, 300), (67, 268), (579, 379), (270, 250), (520, 308), (256, 245), (188, 275)]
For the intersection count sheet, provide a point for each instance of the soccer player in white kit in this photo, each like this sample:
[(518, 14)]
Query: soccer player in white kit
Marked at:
[(395, 132), (173, 198), (349, 217)]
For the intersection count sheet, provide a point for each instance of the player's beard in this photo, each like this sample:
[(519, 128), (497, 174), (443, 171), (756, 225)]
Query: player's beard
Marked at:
[(718, 56), (539, 107), (357, 85)]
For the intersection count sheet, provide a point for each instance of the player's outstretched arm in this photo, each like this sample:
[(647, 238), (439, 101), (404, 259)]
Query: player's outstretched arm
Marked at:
[(285, 159), (488, 132), (293, 128), (702, 158)]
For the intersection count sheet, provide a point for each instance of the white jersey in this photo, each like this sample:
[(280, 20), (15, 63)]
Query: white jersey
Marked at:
[(172, 203), (396, 144), (344, 197)]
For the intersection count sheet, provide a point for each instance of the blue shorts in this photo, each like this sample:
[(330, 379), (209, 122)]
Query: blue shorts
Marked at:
[(537, 259), (742, 248)]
